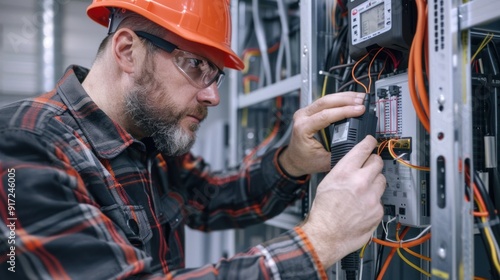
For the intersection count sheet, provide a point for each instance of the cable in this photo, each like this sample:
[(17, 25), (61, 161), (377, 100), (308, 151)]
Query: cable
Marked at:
[(398, 158), (406, 260), (483, 44), (380, 275), (403, 243), (261, 39), (353, 74), (369, 69), (412, 71), (285, 44)]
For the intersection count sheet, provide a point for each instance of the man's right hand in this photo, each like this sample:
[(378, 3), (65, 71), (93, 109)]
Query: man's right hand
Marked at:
[(346, 208)]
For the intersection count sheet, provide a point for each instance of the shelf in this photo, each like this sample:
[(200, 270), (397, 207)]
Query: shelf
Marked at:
[(269, 92), (478, 12)]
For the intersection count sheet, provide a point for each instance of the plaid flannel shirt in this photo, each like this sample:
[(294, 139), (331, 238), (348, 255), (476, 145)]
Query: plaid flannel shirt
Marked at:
[(82, 199)]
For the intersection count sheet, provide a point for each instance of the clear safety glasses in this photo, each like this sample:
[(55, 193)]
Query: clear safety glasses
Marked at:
[(199, 71)]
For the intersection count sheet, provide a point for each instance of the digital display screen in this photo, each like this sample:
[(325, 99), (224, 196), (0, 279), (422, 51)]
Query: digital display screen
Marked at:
[(372, 20)]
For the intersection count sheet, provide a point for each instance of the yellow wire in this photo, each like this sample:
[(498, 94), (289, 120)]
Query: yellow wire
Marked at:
[(483, 44), (415, 254), (391, 151), (412, 264), (490, 241), (409, 262)]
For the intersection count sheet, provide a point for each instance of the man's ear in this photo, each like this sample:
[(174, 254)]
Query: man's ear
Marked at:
[(124, 44)]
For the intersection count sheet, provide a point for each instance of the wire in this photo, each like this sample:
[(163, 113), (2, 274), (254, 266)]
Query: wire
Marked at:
[(419, 37), (285, 44), (405, 259), (483, 44), (344, 86), (270, 137), (398, 158), (403, 243), (380, 275), (369, 69), (323, 130), (413, 63), (261, 39), (482, 205), (354, 76), (412, 264)]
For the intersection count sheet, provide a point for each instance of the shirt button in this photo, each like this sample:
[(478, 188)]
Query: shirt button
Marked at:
[(132, 224)]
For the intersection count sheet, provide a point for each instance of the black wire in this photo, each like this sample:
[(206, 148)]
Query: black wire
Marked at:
[(380, 254), (489, 205), (484, 194), (349, 83), (493, 272)]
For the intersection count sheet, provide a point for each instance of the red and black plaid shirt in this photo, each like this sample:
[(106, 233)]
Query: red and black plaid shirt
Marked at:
[(91, 202)]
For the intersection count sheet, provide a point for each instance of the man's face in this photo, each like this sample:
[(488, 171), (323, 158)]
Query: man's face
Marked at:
[(170, 115)]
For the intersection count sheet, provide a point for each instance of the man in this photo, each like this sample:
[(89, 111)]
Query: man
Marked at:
[(97, 178)]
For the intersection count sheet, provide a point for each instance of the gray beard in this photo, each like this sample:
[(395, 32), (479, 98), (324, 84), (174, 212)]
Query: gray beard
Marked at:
[(161, 125)]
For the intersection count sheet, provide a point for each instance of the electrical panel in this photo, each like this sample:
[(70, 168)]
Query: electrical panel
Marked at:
[(364, 46), (407, 192)]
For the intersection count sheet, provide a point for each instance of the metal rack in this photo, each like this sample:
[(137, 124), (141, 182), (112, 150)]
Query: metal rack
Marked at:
[(452, 245), (450, 21)]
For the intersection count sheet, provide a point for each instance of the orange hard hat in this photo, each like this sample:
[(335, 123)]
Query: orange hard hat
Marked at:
[(201, 21)]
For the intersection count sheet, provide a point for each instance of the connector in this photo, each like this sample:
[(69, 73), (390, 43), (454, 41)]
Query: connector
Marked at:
[(399, 146)]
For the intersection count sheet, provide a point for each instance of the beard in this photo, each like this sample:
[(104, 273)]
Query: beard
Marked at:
[(145, 108)]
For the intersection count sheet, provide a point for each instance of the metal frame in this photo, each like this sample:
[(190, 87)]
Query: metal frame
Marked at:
[(452, 246)]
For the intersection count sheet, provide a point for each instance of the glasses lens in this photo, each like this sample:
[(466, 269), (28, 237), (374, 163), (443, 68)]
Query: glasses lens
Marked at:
[(199, 70)]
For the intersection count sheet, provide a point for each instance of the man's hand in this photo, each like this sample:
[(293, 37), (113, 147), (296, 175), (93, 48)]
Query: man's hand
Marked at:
[(304, 154), (347, 208)]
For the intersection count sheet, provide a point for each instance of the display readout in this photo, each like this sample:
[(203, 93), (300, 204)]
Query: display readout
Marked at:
[(372, 20)]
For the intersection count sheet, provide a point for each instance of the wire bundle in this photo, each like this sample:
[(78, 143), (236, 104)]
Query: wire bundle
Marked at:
[(416, 80)]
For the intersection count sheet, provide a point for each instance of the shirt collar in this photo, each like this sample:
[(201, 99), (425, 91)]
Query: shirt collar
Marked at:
[(105, 136)]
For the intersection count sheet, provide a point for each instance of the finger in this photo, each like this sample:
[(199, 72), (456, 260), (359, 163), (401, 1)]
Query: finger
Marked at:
[(357, 156), (379, 184), (328, 116), (333, 101), (373, 165)]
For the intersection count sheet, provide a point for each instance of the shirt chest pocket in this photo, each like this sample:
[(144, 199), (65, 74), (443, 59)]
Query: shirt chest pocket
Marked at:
[(132, 220)]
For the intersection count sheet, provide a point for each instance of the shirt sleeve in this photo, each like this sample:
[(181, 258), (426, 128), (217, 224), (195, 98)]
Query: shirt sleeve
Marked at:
[(51, 228), (289, 256), (251, 193)]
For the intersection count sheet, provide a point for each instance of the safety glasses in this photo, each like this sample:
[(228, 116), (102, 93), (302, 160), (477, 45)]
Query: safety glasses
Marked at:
[(198, 70)]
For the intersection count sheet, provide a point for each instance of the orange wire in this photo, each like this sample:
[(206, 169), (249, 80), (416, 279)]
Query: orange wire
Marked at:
[(383, 68), (401, 244), (417, 56), (411, 252), (369, 70), (426, 45), (354, 77), (271, 135), (382, 146), (412, 88), (389, 257)]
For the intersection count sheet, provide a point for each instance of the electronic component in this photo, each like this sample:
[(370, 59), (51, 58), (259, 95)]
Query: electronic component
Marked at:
[(406, 194), (345, 135), (380, 23), (349, 132)]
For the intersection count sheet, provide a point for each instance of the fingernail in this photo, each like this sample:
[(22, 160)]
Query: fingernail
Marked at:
[(359, 107), (358, 100)]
